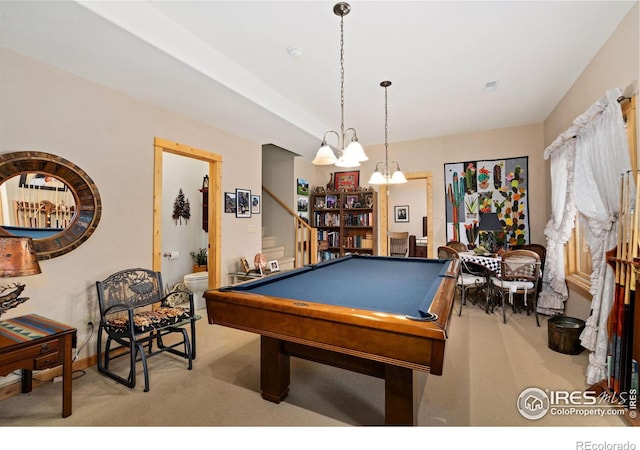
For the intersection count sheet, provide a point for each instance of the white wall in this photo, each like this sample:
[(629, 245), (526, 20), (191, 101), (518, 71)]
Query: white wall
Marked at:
[(184, 173), (411, 194)]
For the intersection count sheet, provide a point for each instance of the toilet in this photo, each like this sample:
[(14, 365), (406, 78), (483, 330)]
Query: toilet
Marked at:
[(197, 282)]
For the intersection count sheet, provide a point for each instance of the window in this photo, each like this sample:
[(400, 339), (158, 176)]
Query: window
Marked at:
[(577, 254)]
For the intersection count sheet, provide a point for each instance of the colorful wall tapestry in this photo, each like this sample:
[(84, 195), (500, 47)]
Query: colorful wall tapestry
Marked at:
[(475, 187)]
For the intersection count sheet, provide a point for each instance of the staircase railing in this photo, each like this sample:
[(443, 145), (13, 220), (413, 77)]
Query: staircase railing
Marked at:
[(306, 238)]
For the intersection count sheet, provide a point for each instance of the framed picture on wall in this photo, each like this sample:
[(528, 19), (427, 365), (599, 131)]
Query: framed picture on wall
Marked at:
[(230, 202), (401, 213), (255, 204), (243, 203), (346, 181)]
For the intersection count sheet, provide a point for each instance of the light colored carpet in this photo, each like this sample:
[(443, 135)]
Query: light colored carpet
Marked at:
[(487, 365)]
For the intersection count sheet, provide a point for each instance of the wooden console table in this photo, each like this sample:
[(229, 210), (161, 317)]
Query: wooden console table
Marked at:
[(33, 342)]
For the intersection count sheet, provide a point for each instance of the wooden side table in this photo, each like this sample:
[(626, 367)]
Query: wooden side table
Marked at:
[(33, 342)]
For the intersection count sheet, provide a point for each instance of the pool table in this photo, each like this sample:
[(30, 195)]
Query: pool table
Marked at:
[(381, 316)]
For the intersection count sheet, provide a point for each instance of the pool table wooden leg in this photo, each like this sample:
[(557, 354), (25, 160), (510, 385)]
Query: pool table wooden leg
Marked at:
[(399, 396), (274, 370)]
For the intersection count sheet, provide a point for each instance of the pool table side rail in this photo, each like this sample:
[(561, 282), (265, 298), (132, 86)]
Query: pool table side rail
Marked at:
[(388, 338)]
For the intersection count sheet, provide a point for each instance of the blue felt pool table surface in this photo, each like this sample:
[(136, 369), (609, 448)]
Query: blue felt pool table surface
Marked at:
[(405, 286)]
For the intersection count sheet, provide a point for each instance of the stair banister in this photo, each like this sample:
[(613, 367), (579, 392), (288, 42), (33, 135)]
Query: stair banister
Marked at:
[(306, 240)]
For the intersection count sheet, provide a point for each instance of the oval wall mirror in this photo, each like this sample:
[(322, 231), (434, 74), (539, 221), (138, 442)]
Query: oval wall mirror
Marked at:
[(49, 199)]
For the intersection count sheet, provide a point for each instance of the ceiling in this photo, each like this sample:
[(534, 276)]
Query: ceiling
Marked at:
[(226, 63)]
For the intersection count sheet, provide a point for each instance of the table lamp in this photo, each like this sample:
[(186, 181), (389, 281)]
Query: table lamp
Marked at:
[(489, 223), (17, 259)]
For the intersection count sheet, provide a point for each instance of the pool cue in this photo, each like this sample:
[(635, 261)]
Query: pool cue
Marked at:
[(630, 292), (619, 289), (619, 320), (611, 323), (621, 316)]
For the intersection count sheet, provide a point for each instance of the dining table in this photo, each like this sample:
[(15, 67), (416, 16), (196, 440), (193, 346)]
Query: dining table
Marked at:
[(490, 261)]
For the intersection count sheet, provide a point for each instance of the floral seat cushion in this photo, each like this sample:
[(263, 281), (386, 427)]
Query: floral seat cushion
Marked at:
[(145, 321)]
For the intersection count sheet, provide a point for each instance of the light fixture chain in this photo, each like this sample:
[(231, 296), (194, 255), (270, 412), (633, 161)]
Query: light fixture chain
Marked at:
[(342, 80), (386, 130)]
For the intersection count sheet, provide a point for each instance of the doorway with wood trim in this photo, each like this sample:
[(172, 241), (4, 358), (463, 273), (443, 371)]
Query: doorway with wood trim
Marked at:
[(383, 216), (162, 146)]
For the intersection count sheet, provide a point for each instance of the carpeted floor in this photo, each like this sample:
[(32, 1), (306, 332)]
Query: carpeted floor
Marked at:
[(487, 365)]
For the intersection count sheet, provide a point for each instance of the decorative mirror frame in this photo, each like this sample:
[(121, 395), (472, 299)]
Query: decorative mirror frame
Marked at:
[(85, 194)]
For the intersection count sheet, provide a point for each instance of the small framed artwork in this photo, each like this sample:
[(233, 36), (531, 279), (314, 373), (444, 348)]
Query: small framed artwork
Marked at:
[(255, 204), (273, 266), (351, 201), (303, 187), (243, 203), (401, 213), (347, 181), (245, 265), (303, 203), (332, 201), (230, 202)]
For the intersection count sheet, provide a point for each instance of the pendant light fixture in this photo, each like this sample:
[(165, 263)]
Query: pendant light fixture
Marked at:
[(350, 155), (384, 175)]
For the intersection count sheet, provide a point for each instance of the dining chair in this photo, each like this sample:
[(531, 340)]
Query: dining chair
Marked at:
[(541, 250), (472, 276), (520, 276), (458, 246), (398, 243)]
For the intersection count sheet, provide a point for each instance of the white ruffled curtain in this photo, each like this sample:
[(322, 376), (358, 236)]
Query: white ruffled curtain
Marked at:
[(594, 163)]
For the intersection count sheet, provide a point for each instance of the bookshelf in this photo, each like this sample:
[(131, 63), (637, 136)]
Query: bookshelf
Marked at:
[(346, 222)]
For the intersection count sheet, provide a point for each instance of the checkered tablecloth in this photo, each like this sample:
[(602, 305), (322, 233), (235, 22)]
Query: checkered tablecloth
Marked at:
[(489, 262)]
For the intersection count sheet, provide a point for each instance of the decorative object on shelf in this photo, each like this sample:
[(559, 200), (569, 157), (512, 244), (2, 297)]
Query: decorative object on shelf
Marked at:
[(205, 182), (17, 259), (244, 264), (346, 181), (200, 260), (496, 186), (260, 262), (230, 202), (489, 224), (255, 204), (401, 213), (386, 176), (181, 208), (353, 154), (274, 266), (243, 203)]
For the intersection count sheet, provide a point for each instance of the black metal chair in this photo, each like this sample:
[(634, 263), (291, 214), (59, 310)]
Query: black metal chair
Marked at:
[(135, 313), (472, 276)]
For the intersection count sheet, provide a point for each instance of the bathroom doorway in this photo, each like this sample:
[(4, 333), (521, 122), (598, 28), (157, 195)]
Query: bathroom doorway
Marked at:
[(214, 161)]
